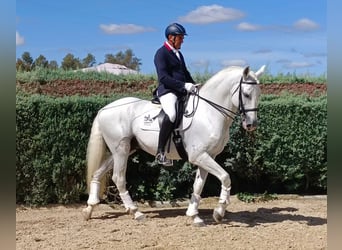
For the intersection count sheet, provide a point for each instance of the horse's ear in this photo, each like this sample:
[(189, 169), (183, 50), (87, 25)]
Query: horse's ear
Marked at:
[(245, 72), (260, 71)]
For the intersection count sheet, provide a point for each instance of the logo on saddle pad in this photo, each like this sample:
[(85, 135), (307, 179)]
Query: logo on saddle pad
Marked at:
[(150, 120)]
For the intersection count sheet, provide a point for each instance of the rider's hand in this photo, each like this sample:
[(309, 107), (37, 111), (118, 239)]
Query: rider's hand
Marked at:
[(190, 87)]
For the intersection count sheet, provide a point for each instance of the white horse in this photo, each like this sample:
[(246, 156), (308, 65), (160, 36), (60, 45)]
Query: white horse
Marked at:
[(127, 124)]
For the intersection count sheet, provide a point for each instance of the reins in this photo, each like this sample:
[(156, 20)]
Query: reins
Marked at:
[(224, 111)]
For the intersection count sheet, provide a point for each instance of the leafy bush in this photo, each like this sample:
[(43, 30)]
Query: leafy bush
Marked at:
[(287, 153), (51, 145), (45, 75), (248, 197)]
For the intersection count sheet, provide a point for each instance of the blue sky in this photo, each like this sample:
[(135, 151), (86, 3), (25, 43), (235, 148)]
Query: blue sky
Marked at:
[(289, 36)]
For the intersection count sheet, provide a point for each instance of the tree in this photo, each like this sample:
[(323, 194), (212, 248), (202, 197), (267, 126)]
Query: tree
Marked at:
[(126, 58), (88, 61), (25, 63), (40, 61), (53, 65), (70, 62), (19, 65)]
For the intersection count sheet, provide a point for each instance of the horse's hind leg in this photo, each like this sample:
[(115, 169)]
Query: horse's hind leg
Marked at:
[(95, 186), (121, 154), (95, 183), (192, 211)]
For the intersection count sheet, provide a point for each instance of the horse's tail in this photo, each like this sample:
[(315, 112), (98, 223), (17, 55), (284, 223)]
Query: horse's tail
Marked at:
[(96, 153)]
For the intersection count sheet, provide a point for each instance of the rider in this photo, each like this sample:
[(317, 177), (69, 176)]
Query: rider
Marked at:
[(174, 81)]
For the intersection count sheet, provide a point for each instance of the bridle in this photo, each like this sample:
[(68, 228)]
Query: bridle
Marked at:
[(224, 111), (242, 109)]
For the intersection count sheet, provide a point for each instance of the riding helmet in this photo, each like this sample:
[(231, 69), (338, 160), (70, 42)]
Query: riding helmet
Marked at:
[(175, 29)]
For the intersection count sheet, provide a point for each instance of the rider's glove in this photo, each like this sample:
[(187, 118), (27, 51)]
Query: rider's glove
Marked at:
[(190, 87)]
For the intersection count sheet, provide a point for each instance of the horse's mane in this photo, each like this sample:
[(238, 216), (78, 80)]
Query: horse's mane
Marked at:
[(219, 73)]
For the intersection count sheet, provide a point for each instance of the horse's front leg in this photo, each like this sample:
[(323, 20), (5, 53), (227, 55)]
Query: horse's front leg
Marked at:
[(223, 203), (192, 211), (206, 162)]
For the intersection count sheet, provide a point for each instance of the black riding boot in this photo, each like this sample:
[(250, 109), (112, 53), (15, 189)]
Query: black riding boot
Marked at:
[(164, 134)]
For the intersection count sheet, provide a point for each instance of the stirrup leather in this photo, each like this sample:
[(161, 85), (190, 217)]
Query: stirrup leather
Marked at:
[(161, 159)]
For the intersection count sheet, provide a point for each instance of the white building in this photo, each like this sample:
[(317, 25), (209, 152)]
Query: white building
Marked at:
[(115, 69)]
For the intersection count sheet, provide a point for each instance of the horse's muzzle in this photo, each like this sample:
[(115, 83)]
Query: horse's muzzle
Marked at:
[(249, 126)]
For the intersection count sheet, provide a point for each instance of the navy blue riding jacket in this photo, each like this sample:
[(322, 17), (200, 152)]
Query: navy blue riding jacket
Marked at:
[(172, 72)]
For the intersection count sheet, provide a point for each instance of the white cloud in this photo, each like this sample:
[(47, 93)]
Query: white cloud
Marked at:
[(262, 51), (248, 27), (19, 40), (201, 63), (123, 29), (314, 54), (235, 62), (305, 24), (294, 65), (211, 14), (283, 61)]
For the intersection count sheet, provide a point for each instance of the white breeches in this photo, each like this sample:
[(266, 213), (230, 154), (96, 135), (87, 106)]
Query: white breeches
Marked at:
[(168, 103)]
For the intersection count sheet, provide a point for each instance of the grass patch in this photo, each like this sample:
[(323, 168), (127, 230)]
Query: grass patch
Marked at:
[(249, 198)]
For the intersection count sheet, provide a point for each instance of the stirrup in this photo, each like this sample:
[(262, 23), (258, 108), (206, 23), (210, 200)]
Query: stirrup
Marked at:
[(161, 159)]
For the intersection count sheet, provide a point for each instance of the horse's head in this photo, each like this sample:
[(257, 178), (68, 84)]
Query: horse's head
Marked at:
[(245, 96)]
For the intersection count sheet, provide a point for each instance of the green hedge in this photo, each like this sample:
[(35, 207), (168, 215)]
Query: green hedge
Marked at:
[(51, 144), (287, 153)]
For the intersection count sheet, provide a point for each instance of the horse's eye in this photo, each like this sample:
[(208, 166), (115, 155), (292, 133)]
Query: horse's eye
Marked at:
[(246, 95)]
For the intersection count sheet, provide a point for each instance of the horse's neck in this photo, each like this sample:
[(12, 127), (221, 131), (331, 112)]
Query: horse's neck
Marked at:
[(218, 89)]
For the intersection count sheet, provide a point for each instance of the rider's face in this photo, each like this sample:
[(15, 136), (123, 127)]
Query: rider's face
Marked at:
[(177, 41)]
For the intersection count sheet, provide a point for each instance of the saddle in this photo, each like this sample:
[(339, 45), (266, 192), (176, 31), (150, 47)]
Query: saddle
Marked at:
[(176, 136)]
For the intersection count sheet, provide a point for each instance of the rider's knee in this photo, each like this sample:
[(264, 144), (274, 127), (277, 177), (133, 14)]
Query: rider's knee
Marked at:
[(172, 116)]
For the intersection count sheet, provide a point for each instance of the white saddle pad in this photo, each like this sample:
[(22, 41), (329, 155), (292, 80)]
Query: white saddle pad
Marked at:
[(149, 119)]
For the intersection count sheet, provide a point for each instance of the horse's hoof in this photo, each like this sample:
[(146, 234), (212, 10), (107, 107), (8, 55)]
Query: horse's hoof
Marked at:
[(199, 224), (139, 216), (217, 217), (86, 212)]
